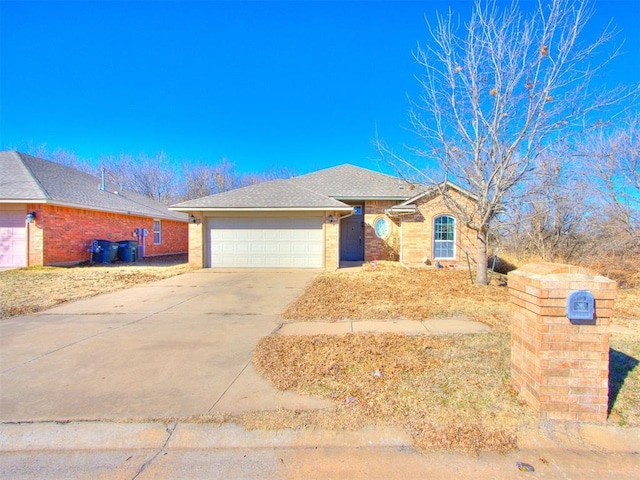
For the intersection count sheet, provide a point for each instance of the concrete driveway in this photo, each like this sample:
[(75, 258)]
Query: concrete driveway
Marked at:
[(177, 347)]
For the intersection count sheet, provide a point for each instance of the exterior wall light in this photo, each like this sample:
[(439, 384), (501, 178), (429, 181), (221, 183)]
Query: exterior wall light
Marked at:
[(330, 218), (31, 217), (192, 218)]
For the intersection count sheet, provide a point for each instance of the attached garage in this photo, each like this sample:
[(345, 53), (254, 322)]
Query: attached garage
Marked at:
[(289, 241), (13, 239)]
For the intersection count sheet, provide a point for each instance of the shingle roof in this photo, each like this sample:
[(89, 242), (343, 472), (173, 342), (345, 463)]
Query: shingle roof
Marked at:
[(31, 179), (321, 189), (348, 181), (276, 194)]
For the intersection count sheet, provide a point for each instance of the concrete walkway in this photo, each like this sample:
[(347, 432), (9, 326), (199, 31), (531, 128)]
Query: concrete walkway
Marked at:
[(436, 326)]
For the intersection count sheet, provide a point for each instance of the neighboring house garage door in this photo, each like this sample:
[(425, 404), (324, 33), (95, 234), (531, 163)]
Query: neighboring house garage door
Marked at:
[(266, 242), (13, 250)]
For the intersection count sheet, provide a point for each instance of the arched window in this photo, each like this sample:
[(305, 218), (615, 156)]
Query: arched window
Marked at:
[(444, 237)]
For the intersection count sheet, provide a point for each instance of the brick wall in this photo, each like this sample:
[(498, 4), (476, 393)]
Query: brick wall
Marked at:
[(196, 241), (417, 234), (561, 370), (331, 232), (376, 248), (61, 235), (35, 240)]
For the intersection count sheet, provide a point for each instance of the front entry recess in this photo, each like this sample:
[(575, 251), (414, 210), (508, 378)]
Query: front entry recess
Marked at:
[(352, 237)]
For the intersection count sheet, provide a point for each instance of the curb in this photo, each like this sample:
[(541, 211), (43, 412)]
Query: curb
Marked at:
[(138, 436)]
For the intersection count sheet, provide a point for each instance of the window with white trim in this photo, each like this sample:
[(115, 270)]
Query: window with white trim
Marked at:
[(157, 232), (444, 237)]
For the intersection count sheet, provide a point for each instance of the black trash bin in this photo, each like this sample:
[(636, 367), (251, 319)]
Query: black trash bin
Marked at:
[(104, 251), (128, 250)]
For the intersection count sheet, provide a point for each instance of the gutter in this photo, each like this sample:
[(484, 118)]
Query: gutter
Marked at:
[(93, 208), (258, 209)]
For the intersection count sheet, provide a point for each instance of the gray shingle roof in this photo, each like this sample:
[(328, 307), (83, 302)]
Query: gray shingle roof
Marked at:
[(31, 179), (321, 189), (276, 194), (348, 181)]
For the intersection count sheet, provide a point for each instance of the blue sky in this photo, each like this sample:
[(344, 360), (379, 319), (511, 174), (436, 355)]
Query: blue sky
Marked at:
[(300, 85)]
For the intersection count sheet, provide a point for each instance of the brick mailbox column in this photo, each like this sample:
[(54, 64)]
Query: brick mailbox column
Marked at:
[(560, 368)]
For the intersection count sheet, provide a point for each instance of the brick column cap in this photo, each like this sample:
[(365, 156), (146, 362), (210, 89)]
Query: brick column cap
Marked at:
[(560, 273)]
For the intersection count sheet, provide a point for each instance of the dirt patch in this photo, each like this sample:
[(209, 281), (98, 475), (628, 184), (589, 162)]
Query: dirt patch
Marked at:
[(28, 290), (391, 292)]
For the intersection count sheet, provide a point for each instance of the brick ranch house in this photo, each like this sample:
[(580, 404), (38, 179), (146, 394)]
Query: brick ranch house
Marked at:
[(50, 213), (324, 219)]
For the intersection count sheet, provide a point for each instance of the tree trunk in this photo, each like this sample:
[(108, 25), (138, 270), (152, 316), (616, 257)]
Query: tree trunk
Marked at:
[(481, 274)]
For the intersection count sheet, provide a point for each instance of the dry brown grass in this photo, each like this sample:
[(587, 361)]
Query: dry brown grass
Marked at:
[(627, 306), (391, 292), (448, 392), (28, 290)]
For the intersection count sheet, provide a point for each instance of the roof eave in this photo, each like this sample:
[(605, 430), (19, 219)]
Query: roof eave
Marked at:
[(96, 209), (403, 209), (340, 198), (23, 200), (261, 209)]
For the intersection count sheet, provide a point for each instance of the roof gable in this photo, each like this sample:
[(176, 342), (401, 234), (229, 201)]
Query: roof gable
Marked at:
[(32, 179), (276, 194), (17, 181), (435, 191), (351, 182)]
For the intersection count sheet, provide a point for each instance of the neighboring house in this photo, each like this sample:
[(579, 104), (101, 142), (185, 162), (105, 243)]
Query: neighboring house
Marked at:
[(50, 213), (318, 220)]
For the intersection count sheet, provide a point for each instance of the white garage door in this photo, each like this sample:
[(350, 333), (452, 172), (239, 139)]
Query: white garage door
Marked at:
[(13, 249), (267, 242)]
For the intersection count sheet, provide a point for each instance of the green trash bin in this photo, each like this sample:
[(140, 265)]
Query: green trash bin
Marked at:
[(128, 250)]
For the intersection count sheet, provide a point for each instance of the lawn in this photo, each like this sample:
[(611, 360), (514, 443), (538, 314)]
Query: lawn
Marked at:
[(448, 392), (29, 290)]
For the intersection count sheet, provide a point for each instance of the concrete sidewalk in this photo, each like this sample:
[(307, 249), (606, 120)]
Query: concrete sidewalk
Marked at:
[(436, 326), (194, 451)]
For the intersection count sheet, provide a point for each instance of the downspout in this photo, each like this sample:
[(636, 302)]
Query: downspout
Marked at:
[(338, 242), (28, 249), (399, 217), (402, 244)]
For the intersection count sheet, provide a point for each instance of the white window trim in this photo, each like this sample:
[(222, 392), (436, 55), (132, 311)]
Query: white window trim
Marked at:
[(159, 231), (455, 228), (375, 224)]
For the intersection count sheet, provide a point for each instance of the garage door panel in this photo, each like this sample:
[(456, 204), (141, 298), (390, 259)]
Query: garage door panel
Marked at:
[(269, 242), (13, 239)]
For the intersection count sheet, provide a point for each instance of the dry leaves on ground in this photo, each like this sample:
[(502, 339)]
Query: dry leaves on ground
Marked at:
[(391, 292), (448, 392)]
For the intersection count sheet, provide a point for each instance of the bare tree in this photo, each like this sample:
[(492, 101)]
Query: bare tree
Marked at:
[(497, 93), (270, 174), (615, 172), (202, 180), (61, 156), (548, 221), (153, 176)]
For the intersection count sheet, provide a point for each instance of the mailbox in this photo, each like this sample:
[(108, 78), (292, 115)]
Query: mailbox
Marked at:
[(581, 308)]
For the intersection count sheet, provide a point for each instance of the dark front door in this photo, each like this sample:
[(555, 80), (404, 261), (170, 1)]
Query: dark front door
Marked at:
[(352, 238)]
